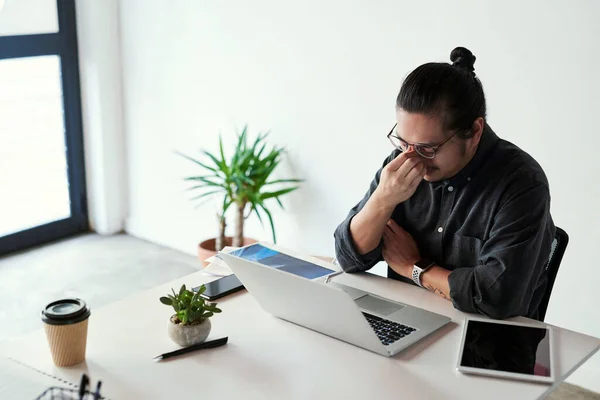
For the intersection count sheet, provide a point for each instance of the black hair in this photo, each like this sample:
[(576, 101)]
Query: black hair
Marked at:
[(449, 90)]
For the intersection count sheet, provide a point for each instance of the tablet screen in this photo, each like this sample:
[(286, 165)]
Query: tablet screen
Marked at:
[(273, 258), (507, 348)]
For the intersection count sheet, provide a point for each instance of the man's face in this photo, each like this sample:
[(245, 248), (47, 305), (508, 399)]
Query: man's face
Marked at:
[(449, 159)]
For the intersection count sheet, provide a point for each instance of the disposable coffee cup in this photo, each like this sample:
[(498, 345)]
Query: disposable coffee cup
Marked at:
[(66, 325)]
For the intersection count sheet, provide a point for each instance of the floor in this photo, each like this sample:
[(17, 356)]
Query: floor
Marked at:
[(97, 269), (101, 270)]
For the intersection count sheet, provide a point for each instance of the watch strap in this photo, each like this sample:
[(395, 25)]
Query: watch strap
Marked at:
[(420, 267)]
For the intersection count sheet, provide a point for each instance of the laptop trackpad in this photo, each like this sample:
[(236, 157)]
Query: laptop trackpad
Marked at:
[(377, 305)]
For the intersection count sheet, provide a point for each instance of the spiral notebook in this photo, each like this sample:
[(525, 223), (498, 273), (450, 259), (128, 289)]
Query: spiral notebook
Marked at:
[(20, 381)]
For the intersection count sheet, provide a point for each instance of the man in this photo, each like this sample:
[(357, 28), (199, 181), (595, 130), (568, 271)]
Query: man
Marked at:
[(454, 208)]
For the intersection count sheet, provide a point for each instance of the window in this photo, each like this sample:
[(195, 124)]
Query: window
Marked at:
[(42, 177)]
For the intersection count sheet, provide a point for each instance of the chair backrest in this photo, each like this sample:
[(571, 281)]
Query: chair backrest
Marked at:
[(559, 245)]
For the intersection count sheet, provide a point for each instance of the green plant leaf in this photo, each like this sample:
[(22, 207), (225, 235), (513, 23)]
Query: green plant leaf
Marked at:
[(224, 167), (253, 208), (261, 151), (268, 195), (270, 221), (243, 161), (208, 182), (246, 179), (202, 289), (196, 161), (259, 138), (266, 168), (206, 194), (201, 203), (166, 300), (182, 290), (199, 178), (284, 181), (240, 147), (213, 309), (183, 316), (195, 316), (200, 186), (226, 203), (279, 202), (221, 165), (186, 297)]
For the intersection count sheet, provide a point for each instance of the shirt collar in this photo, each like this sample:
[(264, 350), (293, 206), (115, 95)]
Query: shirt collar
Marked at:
[(487, 143)]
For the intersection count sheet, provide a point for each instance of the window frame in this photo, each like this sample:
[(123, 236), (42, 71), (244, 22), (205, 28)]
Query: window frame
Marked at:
[(63, 44)]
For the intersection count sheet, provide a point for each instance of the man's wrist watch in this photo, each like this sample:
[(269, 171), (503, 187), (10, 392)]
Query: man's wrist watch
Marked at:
[(421, 266)]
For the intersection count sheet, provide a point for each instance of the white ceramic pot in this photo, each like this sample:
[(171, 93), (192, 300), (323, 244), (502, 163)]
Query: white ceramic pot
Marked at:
[(187, 335)]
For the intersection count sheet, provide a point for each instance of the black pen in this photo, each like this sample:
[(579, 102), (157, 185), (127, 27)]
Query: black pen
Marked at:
[(204, 345)]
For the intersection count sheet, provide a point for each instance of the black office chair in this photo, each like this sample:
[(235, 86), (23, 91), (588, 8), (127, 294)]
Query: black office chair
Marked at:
[(559, 245), (557, 251)]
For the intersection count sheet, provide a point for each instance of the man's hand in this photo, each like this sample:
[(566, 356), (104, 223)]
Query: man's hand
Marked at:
[(399, 249), (400, 178)]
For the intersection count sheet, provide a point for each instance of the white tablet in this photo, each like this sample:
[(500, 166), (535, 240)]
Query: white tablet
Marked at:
[(504, 349)]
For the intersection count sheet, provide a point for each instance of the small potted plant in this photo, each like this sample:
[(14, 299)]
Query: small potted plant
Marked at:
[(244, 182), (190, 324)]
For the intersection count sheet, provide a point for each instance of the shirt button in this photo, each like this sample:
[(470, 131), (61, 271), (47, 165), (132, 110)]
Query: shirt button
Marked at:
[(450, 188), (440, 229), (469, 179)]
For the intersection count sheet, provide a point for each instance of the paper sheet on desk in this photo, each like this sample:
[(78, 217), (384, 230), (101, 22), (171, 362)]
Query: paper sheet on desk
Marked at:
[(276, 257), (18, 381), (217, 266)]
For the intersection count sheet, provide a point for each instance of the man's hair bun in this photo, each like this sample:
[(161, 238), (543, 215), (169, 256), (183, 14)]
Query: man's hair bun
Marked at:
[(463, 58)]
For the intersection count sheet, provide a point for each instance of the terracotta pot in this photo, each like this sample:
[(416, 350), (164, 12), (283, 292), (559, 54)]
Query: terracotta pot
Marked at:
[(206, 249)]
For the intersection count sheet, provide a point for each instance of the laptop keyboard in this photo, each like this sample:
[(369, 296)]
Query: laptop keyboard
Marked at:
[(388, 331)]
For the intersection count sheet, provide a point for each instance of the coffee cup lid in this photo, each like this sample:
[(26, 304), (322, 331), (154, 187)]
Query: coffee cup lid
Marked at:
[(65, 312)]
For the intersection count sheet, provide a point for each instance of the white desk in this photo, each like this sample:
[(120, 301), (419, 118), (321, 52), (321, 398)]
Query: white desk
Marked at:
[(267, 358)]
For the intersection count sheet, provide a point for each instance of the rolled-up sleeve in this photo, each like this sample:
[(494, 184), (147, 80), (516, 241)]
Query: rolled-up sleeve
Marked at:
[(345, 250), (512, 259)]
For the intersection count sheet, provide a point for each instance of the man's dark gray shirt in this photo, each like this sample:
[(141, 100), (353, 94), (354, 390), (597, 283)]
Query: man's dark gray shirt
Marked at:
[(490, 225)]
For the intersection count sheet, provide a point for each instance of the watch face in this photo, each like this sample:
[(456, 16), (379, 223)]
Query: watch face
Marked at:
[(423, 263)]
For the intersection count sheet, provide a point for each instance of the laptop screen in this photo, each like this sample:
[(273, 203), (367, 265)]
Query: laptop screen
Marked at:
[(272, 258), (507, 348)]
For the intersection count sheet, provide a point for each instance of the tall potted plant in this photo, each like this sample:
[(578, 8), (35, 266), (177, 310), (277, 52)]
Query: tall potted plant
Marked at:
[(243, 181)]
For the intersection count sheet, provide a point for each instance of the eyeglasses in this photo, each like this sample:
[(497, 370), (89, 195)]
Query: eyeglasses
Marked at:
[(424, 150)]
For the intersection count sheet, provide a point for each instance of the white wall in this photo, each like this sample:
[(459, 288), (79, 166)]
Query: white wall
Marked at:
[(27, 17), (101, 100), (323, 76)]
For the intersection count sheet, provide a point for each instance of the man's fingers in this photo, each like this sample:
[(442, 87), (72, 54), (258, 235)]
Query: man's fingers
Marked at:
[(387, 238), (418, 171), (389, 227), (400, 160), (393, 223), (418, 178), (394, 227), (410, 165)]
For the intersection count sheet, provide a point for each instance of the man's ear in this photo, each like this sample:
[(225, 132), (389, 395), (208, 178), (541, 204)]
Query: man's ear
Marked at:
[(477, 130)]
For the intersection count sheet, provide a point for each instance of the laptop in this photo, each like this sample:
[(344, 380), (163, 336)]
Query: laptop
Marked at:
[(354, 316)]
